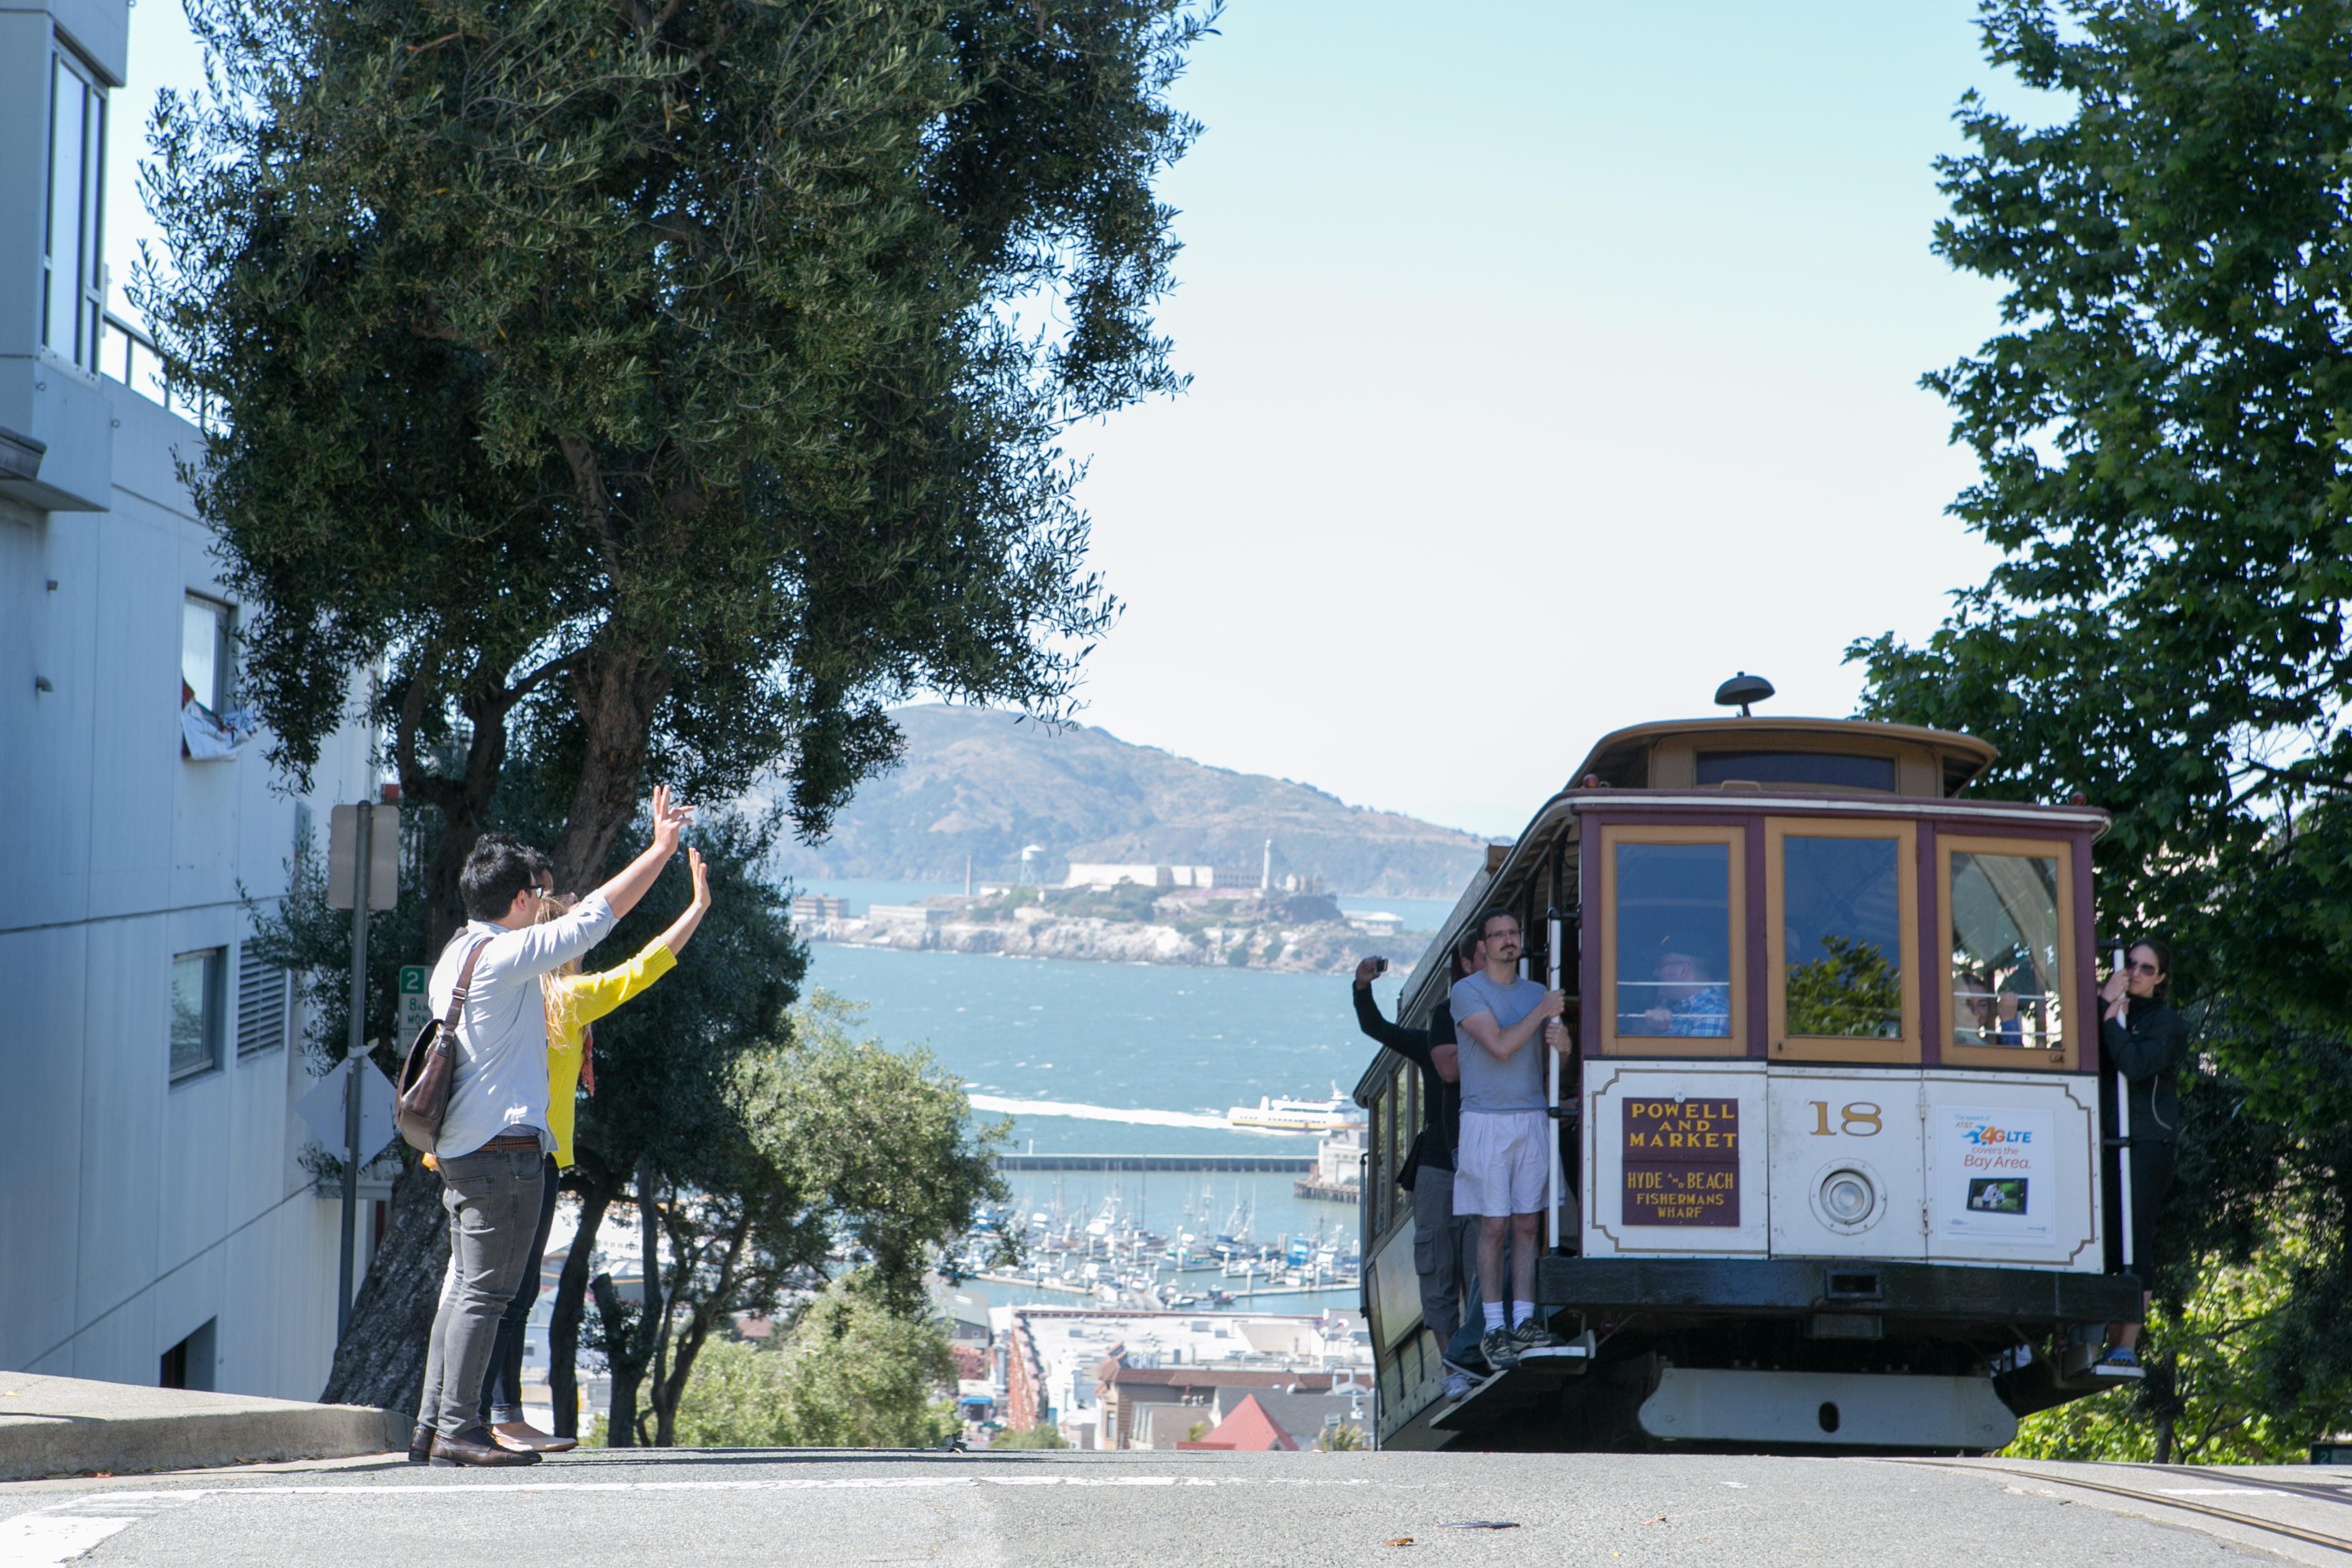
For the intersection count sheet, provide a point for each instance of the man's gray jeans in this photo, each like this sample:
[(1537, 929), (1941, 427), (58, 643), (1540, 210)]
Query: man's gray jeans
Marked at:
[(493, 1197), (1444, 1253)]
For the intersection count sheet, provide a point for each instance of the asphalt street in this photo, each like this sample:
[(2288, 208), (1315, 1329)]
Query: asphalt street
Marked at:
[(710, 1508)]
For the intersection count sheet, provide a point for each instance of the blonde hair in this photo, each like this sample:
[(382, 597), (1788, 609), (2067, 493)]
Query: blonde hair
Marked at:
[(544, 908), (554, 995)]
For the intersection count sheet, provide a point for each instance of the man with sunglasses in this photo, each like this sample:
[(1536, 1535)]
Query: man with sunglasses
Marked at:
[(495, 1136)]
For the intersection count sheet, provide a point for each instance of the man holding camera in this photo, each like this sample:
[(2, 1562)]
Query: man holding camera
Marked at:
[(1442, 1248), (495, 1133), (1503, 1164)]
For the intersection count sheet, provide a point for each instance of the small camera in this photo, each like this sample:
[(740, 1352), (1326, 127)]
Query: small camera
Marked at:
[(1379, 967)]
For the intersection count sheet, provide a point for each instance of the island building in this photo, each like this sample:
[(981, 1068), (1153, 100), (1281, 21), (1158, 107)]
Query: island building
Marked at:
[(157, 1223), (1091, 1374), (808, 909)]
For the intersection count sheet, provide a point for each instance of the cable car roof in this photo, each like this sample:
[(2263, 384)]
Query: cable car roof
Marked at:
[(1620, 758)]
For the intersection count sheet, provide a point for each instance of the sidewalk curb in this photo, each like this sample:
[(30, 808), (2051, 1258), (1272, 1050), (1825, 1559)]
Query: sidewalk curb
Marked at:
[(54, 1425)]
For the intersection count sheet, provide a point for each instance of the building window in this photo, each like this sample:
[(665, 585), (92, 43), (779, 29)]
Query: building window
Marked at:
[(197, 983), (73, 277), (205, 653), (261, 997)]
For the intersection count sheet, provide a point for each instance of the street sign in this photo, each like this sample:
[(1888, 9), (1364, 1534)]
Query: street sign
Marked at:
[(322, 1111), (416, 1006), (383, 859)]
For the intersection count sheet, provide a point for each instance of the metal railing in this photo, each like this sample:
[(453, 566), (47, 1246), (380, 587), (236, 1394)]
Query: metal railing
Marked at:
[(145, 371)]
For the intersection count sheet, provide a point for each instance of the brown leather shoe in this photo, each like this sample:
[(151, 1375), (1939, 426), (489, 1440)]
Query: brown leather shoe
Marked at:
[(522, 1438), (473, 1447), (420, 1445)]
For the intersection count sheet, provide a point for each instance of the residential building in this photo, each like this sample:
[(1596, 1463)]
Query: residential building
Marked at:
[(156, 1221), (1091, 1373)]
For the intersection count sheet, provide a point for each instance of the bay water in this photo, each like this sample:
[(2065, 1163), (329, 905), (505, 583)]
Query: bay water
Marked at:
[(1086, 1058)]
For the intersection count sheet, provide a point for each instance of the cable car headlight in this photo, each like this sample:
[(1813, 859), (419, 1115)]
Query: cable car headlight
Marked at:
[(1848, 1198)]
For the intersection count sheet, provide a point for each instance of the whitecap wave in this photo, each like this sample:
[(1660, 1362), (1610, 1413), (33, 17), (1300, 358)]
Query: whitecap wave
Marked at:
[(1003, 1107)]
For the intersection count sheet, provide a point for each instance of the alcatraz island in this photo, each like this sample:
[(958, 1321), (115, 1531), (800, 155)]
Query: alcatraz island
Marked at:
[(1195, 915)]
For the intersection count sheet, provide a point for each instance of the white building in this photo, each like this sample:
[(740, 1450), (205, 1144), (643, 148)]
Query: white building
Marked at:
[(155, 1224)]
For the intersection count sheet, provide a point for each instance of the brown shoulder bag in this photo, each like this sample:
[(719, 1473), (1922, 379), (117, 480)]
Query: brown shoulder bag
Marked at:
[(431, 1065)]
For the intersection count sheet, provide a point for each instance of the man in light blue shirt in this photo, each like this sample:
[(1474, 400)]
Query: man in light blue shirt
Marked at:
[(1502, 1169), (495, 1131)]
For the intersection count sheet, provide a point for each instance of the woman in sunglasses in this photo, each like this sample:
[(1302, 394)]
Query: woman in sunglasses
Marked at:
[(2148, 1044)]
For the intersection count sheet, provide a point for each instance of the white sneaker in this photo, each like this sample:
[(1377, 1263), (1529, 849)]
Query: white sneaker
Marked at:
[(1458, 1385)]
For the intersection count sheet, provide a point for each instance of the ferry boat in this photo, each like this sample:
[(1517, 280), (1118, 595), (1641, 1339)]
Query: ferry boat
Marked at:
[(1275, 1115)]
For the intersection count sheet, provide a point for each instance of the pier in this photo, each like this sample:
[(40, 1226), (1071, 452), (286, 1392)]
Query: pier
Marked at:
[(1286, 1165)]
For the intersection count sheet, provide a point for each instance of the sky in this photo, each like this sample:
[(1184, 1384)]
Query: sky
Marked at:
[(1550, 362)]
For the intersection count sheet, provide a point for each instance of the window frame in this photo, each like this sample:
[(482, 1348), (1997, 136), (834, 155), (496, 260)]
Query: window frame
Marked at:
[(224, 650), (88, 272), (1733, 836), (2027, 1058), (1905, 1050), (215, 987)]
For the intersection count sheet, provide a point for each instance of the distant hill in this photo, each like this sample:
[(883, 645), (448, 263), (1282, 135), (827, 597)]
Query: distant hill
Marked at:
[(975, 783)]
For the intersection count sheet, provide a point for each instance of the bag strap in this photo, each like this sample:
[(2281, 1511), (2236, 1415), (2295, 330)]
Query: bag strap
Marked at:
[(465, 985)]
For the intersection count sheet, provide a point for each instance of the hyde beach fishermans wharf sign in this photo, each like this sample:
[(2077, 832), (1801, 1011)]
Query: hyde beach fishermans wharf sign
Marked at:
[(1682, 1162)]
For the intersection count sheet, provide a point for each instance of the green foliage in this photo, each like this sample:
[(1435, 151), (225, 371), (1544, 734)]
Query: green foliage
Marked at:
[(644, 385), (1041, 1436), (877, 1143), (852, 1373), (1344, 1438), (820, 1141), (2206, 1400), (2159, 428), (1851, 989)]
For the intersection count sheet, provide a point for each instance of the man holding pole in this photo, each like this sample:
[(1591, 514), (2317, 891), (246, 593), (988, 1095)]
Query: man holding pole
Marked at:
[(1502, 1170)]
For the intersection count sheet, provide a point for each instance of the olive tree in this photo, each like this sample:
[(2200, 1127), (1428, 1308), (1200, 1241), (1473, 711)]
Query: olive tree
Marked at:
[(648, 384)]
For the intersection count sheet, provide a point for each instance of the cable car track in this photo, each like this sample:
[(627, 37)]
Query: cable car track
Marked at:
[(2250, 1521)]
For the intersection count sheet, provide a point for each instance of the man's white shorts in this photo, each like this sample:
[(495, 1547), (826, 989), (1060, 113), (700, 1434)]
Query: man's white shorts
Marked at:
[(1503, 1166)]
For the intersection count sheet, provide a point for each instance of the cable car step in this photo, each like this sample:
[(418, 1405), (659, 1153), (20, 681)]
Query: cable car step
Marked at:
[(1539, 1373)]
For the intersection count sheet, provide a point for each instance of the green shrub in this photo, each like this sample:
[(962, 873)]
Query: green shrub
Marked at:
[(1041, 1436), (850, 1375)]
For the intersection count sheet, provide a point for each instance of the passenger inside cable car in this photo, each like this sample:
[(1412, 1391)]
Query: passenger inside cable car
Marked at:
[(1684, 999)]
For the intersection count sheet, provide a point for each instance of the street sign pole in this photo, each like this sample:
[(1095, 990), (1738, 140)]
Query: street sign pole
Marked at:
[(362, 844)]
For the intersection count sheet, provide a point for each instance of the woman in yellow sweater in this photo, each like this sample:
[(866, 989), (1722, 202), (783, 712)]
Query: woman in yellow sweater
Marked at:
[(574, 1001)]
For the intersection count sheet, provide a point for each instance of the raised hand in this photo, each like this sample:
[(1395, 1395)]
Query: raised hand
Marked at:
[(701, 878), (670, 821)]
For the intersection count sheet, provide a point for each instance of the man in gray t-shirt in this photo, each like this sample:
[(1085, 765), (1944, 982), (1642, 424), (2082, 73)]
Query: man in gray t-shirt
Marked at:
[(1502, 1168)]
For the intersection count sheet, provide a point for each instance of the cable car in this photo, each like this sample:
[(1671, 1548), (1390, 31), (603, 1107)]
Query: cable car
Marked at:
[(1835, 1172)]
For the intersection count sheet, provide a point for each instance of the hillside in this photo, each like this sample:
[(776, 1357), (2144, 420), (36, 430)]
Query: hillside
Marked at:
[(976, 783)]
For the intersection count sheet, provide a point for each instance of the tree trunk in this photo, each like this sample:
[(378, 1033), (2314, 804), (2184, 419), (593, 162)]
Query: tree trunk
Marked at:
[(381, 1360), (654, 1325), (571, 1302), (462, 802), (617, 695), (627, 1368), (2163, 1440)]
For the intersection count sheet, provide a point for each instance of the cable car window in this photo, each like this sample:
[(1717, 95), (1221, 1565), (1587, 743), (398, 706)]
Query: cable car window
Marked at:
[(2006, 930), (1824, 768), (1674, 939), (1841, 928)]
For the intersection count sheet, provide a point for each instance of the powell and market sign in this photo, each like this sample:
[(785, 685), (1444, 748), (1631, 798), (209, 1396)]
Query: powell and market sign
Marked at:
[(1682, 1162)]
